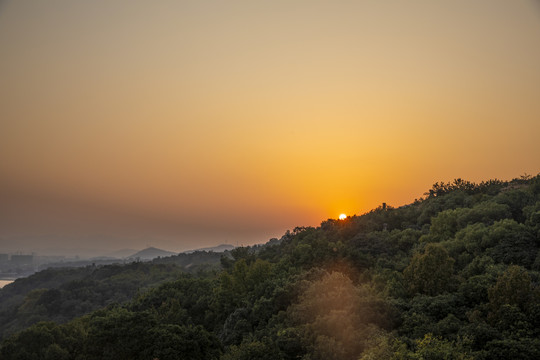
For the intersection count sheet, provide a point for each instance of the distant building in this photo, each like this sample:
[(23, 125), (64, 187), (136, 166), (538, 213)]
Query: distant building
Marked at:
[(22, 259), (4, 257)]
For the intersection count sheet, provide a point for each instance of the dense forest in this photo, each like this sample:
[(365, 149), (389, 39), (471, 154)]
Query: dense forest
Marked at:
[(454, 275), (61, 294)]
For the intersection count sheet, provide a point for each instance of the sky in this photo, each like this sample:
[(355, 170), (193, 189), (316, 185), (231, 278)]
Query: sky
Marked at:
[(186, 124)]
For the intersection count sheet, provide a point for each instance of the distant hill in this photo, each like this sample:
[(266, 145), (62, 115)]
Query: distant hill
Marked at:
[(219, 248), (122, 253), (91, 287), (151, 253)]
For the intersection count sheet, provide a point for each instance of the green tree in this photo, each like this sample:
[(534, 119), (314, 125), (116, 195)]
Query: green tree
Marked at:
[(175, 342), (430, 273), (436, 348), (335, 317), (514, 243), (513, 287)]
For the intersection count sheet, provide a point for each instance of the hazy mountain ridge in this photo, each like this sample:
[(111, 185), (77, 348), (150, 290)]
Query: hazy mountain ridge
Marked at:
[(453, 275), (151, 253), (121, 254), (219, 248), (11, 270)]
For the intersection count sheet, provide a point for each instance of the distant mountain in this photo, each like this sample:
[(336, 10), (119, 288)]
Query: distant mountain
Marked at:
[(151, 253), (219, 248), (104, 258), (122, 253)]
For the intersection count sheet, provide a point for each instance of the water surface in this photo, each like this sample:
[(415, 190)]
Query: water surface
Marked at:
[(5, 282)]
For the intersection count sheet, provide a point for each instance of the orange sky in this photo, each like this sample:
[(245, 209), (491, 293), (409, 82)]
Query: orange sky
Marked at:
[(183, 124)]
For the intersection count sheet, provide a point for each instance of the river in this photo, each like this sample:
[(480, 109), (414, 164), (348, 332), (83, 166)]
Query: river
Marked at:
[(5, 282)]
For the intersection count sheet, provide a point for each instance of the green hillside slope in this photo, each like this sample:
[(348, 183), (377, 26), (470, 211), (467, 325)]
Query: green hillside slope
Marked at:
[(455, 275)]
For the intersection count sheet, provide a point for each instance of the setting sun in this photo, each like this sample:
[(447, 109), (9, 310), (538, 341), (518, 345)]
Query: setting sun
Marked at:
[(189, 158)]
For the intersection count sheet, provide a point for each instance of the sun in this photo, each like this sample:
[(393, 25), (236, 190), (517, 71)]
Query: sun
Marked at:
[(342, 217)]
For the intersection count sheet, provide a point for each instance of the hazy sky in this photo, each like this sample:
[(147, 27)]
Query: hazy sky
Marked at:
[(183, 124)]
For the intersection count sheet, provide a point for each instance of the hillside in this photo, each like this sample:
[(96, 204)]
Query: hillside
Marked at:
[(60, 294), (150, 253), (454, 275)]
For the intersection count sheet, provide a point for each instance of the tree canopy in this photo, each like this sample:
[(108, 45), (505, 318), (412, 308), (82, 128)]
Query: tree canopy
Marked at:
[(453, 275)]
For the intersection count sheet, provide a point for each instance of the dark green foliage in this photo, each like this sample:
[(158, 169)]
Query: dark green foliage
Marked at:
[(452, 276), (123, 334), (513, 243), (436, 348), (62, 294), (45, 340), (430, 273), (181, 342), (248, 350), (513, 287)]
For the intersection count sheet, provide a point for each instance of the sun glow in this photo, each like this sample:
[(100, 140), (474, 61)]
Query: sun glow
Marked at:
[(342, 217)]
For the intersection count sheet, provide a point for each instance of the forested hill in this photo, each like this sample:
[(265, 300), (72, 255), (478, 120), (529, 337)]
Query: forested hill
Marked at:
[(61, 294), (455, 275)]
